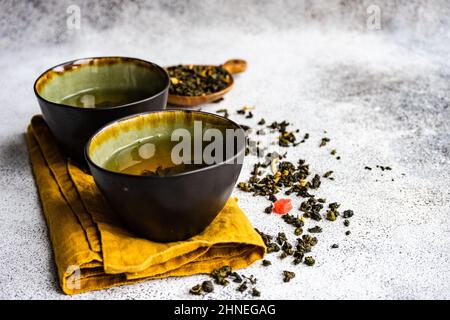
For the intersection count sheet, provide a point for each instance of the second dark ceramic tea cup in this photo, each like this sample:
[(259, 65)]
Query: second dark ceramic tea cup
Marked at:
[(172, 207)]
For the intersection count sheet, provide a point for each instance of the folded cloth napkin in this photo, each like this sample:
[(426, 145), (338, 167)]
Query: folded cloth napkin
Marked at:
[(93, 250)]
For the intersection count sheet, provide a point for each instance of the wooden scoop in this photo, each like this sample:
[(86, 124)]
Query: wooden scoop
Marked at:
[(232, 66)]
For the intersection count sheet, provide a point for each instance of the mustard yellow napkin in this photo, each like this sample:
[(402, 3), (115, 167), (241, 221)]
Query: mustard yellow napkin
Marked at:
[(92, 248)]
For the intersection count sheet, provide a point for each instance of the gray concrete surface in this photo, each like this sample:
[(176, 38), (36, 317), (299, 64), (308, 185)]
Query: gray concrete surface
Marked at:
[(382, 95)]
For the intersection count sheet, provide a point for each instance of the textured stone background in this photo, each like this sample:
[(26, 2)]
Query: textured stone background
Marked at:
[(382, 95)]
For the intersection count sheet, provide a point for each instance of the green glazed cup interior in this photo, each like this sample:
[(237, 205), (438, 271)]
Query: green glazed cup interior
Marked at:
[(126, 132), (103, 73)]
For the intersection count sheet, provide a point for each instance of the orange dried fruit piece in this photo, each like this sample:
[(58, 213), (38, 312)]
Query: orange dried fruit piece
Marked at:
[(282, 206)]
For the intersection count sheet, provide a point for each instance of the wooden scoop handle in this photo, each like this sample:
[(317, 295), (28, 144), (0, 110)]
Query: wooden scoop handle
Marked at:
[(235, 66)]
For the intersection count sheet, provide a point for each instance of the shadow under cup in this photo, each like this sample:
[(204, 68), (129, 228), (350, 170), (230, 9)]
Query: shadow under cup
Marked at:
[(169, 207), (79, 97)]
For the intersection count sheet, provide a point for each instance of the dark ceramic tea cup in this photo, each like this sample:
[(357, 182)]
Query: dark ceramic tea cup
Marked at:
[(173, 207), (79, 97)]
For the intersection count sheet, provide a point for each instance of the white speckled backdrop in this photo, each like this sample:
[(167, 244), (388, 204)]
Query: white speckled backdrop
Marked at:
[(381, 91)]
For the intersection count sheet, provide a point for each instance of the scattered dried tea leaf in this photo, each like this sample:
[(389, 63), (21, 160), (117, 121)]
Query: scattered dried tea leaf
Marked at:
[(266, 263), (236, 277), (288, 276), (347, 214), (309, 261), (298, 231), (269, 209), (196, 290), (220, 275), (244, 186), (315, 229), (331, 215), (294, 221), (251, 279), (311, 209), (272, 247), (334, 206), (324, 141), (242, 287), (207, 286), (256, 292), (281, 238), (315, 182), (328, 174)]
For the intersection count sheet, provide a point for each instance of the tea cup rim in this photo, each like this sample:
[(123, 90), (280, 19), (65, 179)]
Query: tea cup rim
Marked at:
[(105, 108), (208, 167)]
